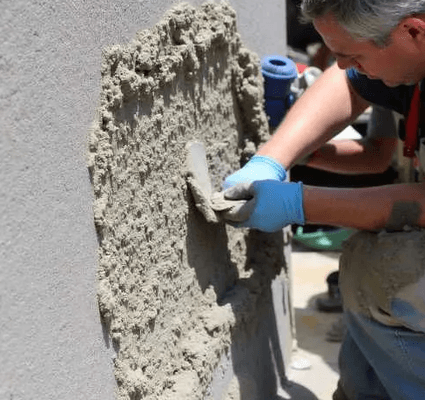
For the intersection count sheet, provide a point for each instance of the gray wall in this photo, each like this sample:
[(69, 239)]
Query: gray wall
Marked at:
[(51, 340)]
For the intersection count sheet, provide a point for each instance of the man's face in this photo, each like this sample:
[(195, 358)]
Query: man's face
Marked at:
[(396, 64)]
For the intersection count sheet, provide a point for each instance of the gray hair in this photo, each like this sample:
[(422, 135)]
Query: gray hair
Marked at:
[(365, 19)]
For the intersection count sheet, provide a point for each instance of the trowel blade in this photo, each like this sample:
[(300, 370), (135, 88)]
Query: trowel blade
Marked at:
[(213, 206), (197, 166), (198, 179)]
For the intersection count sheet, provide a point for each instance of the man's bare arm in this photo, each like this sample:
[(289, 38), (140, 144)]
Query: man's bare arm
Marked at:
[(391, 207), (354, 156), (327, 107)]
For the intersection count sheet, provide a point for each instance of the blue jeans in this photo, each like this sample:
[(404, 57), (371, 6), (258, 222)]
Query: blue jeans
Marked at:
[(378, 362)]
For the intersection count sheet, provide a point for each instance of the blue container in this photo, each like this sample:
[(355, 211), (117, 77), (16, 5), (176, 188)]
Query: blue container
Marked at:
[(278, 73)]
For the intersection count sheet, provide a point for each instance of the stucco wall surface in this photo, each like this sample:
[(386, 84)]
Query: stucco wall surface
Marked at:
[(174, 289), (52, 344)]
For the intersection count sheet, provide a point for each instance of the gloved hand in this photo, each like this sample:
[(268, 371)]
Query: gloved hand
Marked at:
[(271, 205), (257, 168)]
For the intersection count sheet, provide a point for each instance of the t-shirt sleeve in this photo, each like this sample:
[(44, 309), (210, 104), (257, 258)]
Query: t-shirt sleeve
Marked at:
[(376, 92)]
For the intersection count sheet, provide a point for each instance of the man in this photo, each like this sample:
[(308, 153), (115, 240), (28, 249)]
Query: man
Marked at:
[(379, 46), (371, 155)]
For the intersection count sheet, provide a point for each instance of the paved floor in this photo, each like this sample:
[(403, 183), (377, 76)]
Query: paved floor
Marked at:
[(313, 372)]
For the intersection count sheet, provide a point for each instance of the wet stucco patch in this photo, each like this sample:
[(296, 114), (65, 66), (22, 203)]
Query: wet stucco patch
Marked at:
[(172, 287)]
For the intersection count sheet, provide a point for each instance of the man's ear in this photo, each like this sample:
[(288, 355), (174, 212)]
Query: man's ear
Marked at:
[(413, 28)]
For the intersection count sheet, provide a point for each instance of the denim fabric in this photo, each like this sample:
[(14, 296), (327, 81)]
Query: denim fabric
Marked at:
[(378, 362)]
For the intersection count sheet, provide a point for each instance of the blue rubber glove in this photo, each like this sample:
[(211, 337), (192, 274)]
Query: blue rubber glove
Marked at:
[(256, 169), (271, 205)]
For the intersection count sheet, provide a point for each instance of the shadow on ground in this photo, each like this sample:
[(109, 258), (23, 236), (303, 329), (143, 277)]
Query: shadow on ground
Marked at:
[(312, 327), (295, 391)]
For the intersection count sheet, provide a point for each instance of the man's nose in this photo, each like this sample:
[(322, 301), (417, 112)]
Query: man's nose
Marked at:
[(345, 63)]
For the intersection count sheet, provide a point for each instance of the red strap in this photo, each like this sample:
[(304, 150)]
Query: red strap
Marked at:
[(412, 124)]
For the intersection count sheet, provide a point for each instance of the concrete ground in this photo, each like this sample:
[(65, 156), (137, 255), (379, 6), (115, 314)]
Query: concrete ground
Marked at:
[(313, 372)]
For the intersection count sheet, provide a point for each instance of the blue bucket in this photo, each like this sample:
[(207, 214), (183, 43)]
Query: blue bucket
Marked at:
[(278, 73)]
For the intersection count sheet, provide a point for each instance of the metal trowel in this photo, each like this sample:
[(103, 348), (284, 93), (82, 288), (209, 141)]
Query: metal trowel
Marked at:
[(214, 206)]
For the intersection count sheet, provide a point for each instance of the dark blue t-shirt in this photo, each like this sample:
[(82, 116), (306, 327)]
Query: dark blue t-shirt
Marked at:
[(397, 99), (375, 91)]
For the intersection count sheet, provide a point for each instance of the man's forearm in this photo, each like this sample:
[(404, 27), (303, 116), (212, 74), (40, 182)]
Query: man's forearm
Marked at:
[(391, 206), (325, 108), (354, 156)]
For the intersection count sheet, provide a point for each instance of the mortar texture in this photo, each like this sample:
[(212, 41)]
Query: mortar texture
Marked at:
[(378, 267), (174, 290)]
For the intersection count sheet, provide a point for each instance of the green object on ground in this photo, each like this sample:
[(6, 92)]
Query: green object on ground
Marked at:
[(323, 240)]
